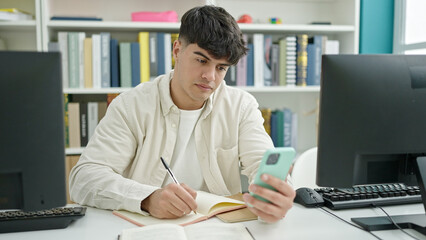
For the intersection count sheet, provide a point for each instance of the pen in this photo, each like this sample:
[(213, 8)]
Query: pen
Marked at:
[(170, 173)]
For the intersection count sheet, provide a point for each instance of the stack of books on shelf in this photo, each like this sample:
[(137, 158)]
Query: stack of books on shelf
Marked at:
[(292, 60), (99, 61), (281, 125), (81, 118), (14, 14)]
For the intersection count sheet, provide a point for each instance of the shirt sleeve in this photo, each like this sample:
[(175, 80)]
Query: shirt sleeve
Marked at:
[(97, 179), (253, 139)]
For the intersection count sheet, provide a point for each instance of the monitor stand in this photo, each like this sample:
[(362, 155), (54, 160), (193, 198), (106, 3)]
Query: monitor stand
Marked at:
[(413, 221)]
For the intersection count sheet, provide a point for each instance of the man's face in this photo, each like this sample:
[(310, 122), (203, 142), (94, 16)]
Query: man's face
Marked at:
[(197, 75)]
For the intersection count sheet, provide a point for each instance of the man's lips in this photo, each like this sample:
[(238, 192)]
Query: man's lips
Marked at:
[(204, 86)]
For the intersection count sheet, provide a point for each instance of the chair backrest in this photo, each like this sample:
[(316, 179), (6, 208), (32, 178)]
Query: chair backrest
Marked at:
[(304, 170)]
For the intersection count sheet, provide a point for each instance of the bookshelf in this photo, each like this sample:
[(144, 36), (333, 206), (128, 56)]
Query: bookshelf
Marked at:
[(22, 35), (296, 15)]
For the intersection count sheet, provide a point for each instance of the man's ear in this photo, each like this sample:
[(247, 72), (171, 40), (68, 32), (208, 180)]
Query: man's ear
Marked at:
[(177, 47)]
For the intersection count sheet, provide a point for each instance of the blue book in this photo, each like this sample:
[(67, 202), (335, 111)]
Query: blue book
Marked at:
[(161, 60), (135, 61), (64, 18), (314, 50), (115, 80), (250, 65), (310, 68)]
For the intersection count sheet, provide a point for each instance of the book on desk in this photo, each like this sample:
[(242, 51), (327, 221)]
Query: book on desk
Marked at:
[(209, 205)]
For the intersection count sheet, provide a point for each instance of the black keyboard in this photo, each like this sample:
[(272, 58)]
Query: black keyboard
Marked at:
[(365, 195), (18, 221)]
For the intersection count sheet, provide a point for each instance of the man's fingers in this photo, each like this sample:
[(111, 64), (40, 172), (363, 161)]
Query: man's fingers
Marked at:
[(178, 197), (279, 185), (265, 208), (191, 191), (183, 192)]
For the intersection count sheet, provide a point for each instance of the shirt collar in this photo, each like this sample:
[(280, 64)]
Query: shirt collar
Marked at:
[(167, 103)]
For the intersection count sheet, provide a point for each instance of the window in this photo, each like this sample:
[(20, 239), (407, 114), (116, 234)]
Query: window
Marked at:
[(410, 22)]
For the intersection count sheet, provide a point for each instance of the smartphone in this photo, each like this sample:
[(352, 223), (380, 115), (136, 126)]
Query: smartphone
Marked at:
[(275, 162)]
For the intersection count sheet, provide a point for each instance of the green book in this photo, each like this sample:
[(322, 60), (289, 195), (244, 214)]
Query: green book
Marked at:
[(73, 60), (125, 65)]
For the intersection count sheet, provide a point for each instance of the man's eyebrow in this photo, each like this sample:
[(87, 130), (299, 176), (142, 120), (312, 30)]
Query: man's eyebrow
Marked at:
[(204, 56)]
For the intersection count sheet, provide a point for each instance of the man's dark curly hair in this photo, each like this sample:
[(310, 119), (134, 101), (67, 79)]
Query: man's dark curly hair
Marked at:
[(215, 31)]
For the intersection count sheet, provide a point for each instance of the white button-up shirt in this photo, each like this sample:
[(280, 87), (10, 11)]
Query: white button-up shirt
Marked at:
[(121, 164)]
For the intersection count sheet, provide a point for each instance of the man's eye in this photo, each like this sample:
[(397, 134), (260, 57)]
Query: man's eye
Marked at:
[(201, 60), (222, 68)]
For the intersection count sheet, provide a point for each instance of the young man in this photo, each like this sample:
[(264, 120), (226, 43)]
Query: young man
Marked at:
[(202, 128)]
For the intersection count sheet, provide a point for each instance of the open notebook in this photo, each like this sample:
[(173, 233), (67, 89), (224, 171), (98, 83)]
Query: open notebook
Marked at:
[(209, 205)]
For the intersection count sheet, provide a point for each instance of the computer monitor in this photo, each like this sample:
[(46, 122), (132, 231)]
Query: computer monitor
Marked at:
[(372, 121), (32, 157)]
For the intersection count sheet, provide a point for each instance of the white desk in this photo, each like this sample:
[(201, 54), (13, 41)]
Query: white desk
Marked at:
[(300, 223)]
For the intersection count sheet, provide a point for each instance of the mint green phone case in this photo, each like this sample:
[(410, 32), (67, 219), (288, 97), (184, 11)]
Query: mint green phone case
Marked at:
[(275, 162)]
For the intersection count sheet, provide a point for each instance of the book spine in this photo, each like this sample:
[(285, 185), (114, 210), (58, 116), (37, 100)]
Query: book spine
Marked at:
[(66, 120), (290, 60), (274, 130), (96, 60), (167, 52), (83, 124), (105, 58), (143, 39), (275, 64), (302, 59), (81, 37), (267, 61), (287, 127), (63, 48), (115, 79), (258, 59), (282, 61), (314, 50), (161, 64), (250, 65), (74, 125), (125, 65), (135, 63), (92, 116), (153, 56), (242, 67), (266, 114), (88, 81), (73, 60), (230, 77)]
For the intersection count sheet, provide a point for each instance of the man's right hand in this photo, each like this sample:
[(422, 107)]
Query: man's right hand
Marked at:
[(172, 201)]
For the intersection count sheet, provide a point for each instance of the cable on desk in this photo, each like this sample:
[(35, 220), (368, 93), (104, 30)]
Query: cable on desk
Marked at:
[(334, 215), (394, 223)]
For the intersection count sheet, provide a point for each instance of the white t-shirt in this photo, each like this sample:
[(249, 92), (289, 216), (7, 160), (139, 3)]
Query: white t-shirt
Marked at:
[(184, 162)]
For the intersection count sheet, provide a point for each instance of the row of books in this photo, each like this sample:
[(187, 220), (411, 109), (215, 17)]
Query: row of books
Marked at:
[(100, 61), (81, 119), (14, 14), (289, 61), (281, 125)]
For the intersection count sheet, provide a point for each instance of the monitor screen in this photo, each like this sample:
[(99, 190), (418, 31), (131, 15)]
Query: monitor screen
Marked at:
[(372, 122), (32, 157)]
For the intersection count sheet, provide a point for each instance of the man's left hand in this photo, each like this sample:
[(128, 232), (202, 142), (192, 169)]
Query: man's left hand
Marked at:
[(280, 201)]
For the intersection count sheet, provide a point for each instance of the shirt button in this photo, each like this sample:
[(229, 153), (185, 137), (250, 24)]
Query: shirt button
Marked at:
[(173, 125)]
